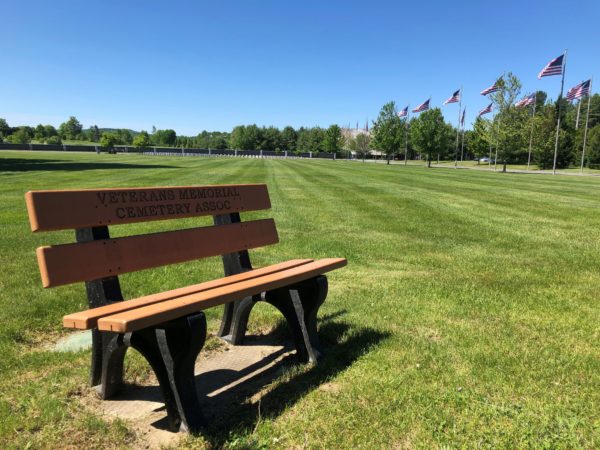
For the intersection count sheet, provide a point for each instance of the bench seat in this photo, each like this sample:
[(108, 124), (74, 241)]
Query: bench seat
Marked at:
[(143, 312), (85, 320)]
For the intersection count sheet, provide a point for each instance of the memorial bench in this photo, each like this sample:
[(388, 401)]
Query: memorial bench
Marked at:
[(169, 328)]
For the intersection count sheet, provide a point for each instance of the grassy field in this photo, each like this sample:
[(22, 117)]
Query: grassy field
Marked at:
[(468, 315)]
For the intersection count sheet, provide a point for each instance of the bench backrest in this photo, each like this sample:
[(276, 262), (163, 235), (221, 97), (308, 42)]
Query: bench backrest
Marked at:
[(96, 256)]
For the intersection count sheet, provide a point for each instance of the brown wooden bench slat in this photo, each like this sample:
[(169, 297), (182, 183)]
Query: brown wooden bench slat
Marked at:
[(88, 319), (70, 263), (58, 210), (155, 314)]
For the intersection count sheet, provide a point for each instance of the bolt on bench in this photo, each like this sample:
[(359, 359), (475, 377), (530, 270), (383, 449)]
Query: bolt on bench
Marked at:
[(169, 328)]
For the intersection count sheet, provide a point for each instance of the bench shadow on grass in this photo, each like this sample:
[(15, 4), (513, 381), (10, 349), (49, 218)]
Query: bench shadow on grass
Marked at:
[(229, 409), (232, 411), (26, 165)]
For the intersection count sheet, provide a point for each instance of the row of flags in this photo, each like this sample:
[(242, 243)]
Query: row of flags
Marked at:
[(554, 67)]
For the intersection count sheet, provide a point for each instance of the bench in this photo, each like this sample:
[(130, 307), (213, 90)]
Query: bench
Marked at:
[(169, 328)]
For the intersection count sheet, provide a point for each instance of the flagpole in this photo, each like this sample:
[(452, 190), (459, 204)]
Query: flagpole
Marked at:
[(458, 127), (497, 140), (406, 136), (577, 120), (498, 128), (587, 117), (462, 145), (490, 158), (367, 134), (531, 134), (497, 133), (562, 85)]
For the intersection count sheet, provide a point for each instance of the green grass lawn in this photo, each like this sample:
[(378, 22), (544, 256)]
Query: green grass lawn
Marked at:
[(468, 315)]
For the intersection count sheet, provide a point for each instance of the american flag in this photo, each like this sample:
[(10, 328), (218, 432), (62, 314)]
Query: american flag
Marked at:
[(454, 99), (422, 107), (493, 88), (554, 67), (526, 101), (486, 110), (403, 113), (462, 119), (581, 90)]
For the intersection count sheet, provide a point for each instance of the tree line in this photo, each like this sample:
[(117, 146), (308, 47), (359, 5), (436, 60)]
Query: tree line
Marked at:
[(426, 136), (243, 137)]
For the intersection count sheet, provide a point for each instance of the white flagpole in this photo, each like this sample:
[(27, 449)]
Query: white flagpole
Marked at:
[(587, 117), (562, 85), (458, 127), (490, 158), (496, 155), (462, 145), (577, 120), (531, 134), (406, 136)]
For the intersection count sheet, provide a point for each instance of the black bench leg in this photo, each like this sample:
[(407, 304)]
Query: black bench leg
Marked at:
[(113, 356), (171, 350), (299, 304), (100, 341), (235, 320), (179, 348)]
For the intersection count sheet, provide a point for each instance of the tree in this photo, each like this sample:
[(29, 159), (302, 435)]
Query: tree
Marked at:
[(302, 143), (50, 131), (246, 137), (316, 136), (165, 137), (125, 136), (94, 133), (4, 128), (40, 133), (108, 140), (236, 141), (333, 141), (388, 131), (142, 140), (219, 140), (288, 139), (71, 129), (429, 134), (544, 136), (270, 139), (54, 140), (360, 144), (22, 135), (593, 147), (253, 137), (479, 138), (510, 123)]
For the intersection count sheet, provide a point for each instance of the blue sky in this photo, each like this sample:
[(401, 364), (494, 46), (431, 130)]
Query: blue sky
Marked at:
[(199, 65)]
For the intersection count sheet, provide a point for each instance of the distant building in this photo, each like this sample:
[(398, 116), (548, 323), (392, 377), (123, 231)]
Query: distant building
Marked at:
[(353, 132)]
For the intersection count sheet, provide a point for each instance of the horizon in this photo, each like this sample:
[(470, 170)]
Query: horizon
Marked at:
[(191, 67)]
